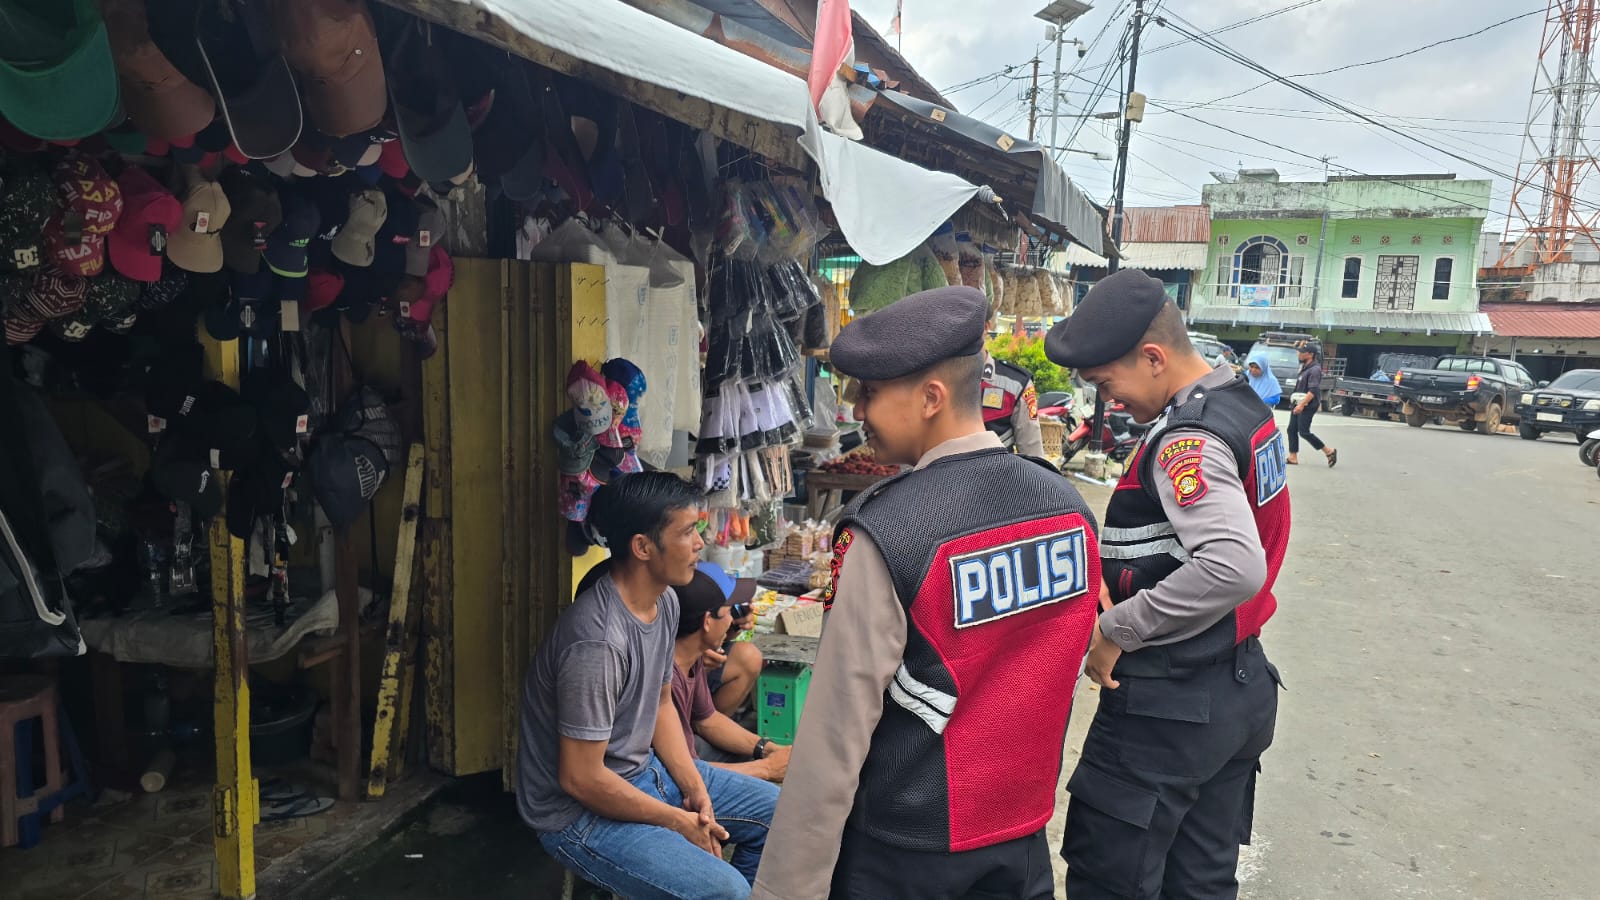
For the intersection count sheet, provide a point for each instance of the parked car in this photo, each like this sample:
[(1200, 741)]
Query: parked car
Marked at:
[(1377, 394), (1570, 404), (1214, 350), (1471, 392)]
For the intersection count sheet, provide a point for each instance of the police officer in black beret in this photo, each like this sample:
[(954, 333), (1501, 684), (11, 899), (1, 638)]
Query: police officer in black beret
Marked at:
[(963, 594), (1193, 540)]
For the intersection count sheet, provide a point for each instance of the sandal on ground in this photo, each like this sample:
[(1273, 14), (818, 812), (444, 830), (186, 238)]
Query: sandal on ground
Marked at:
[(1333, 459)]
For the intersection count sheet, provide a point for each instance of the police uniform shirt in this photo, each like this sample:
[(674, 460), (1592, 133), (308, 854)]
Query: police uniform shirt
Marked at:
[(1024, 418), (863, 645), (1197, 479)]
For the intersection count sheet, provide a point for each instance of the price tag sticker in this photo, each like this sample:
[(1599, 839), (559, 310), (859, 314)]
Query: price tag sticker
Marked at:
[(302, 424), (202, 222), (288, 479), (424, 238), (155, 424), (289, 311), (216, 458)]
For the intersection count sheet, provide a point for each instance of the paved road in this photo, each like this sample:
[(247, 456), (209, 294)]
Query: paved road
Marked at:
[(1438, 635)]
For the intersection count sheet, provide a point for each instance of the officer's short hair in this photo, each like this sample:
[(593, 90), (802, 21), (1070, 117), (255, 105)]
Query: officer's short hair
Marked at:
[(1167, 330), (963, 376)]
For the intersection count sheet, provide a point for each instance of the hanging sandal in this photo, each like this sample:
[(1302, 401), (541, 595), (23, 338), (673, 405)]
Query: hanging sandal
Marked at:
[(1333, 459)]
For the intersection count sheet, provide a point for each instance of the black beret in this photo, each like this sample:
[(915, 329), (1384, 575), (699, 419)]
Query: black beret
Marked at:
[(913, 334), (1108, 323)]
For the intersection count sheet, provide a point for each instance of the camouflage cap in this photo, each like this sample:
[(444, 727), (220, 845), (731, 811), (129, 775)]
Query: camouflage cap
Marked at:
[(27, 201)]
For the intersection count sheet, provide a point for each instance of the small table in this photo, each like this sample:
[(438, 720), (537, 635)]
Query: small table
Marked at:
[(825, 490)]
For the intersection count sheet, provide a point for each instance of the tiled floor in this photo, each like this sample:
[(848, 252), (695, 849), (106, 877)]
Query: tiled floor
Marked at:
[(153, 846)]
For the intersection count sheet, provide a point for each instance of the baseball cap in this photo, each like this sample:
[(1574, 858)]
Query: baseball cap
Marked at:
[(250, 78), (181, 478), (286, 247), (158, 98), (257, 213), (196, 245), (333, 44), (27, 200), (356, 243), (432, 122), (430, 230), (731, 591), (57, 80), (441, 275), (110, 297), (150, 214), (91, 206), (154, 295), (50, 294), (280, 404), (392, 251), (323, 288)]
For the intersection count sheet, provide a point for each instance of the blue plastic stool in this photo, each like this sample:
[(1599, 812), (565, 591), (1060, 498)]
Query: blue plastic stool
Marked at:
[(25, 700)]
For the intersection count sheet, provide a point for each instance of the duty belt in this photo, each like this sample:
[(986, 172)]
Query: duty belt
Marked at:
[(1163, 662)]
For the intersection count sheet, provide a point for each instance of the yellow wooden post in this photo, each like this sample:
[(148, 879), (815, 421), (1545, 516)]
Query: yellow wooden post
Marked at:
[(235, 805), (399, 647), (582, 309)]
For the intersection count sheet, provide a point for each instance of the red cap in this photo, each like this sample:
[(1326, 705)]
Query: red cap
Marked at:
[(149, 214), (235, 155), (393, 161), (323, 287), (91, 208)]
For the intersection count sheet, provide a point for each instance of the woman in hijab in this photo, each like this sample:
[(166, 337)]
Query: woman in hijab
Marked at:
[(1260, 374)]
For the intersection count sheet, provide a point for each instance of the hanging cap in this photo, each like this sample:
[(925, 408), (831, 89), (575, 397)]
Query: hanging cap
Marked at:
[(150, 214), (161, 100), (196, 245), (333, 44), (57, 79)]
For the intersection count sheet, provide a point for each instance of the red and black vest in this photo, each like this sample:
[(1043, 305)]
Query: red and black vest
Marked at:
[(996, 561), (1003, 385), (1140, 546)]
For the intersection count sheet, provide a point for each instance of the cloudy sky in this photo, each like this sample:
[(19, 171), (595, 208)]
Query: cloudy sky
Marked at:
[(1469, 95)]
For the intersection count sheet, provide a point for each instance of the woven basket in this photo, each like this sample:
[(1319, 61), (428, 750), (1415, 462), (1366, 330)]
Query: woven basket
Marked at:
[(1053, 432)]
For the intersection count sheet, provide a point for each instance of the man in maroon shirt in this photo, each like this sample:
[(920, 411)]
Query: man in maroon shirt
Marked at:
[(705, 615)]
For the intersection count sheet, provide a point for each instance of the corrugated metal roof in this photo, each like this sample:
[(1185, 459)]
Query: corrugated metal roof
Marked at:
[(1357, 319), (1540, 321), (1166, 225), (1188, 257)]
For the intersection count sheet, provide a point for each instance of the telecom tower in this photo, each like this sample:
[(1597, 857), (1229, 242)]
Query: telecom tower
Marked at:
[(1559, 222)]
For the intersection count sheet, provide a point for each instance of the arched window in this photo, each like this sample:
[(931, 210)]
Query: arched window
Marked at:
[(1262, 273)]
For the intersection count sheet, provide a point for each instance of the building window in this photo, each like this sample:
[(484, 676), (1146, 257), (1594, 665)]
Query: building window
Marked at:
[(1443, 268), (1297, 275), (1352, 278), (1396, 287), (1262, 273)]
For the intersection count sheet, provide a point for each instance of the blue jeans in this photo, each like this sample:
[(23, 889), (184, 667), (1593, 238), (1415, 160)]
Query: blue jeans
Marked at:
[(644, 862)]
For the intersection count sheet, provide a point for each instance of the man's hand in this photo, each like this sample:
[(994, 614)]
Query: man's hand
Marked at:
[(776, 763), (740, 626), (1105, 597), (713, 658), (698, 801), (1103, 656), (708, 836)]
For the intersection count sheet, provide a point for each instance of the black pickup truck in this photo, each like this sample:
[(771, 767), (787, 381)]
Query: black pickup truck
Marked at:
[(1377, 394), (1466, 391)]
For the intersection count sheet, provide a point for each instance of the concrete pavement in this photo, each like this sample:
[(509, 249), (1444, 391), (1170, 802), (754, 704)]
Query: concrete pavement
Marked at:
[(1438, 638)]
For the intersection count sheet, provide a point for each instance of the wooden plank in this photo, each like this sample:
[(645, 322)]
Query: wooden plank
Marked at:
[(398, 642), (769, 139), (515, 442), (235, 807), (347, 589), (437, 602), (477, 560)]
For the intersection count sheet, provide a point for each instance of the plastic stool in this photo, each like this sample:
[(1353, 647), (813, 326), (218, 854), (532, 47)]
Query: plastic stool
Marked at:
[(24, 698)]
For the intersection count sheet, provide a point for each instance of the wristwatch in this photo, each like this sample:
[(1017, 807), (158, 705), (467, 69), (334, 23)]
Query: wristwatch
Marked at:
[(760, 752)]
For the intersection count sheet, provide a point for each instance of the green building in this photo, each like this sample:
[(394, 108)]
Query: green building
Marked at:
[(1368, 264)]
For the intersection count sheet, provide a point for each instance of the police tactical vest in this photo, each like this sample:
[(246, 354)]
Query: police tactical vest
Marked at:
[(996, 562), (1002, 391), (1141, 547)]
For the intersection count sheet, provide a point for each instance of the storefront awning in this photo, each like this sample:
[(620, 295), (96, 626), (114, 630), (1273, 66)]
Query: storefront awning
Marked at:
[(1345, 319), (1541, 321), (886, 206), (1150, 257), (1021, 172)]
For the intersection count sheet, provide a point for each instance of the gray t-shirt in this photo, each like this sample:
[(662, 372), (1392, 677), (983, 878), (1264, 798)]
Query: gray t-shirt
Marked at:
[(597, 677)]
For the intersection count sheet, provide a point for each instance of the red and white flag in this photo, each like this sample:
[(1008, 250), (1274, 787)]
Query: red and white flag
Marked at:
[(894, 24), (833, 45)]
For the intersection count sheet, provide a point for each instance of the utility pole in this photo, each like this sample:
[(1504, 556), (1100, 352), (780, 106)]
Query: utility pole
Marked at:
[(1097, 427), (1033, 100), (1055, 89), (1322, 240)]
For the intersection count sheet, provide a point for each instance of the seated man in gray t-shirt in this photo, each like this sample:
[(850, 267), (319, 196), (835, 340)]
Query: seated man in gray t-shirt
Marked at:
[(604, 774)]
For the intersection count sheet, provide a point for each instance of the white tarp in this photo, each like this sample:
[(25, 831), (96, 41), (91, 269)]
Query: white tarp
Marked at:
[(885, 206)]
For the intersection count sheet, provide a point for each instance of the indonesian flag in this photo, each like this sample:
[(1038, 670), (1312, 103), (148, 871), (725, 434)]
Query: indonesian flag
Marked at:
[(894, 25), (833, 48)]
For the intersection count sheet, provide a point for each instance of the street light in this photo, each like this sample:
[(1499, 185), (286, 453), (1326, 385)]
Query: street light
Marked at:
[(1102, 157), (1060, 14)]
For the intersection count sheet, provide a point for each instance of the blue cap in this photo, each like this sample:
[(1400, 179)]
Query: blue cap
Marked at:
[(736, 590)]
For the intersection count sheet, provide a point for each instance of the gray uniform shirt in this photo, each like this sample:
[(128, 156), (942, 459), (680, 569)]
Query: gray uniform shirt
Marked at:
[(598, 677), (1224, 563)]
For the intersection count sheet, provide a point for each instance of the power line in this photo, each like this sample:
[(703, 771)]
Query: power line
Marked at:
[(1373, 62)]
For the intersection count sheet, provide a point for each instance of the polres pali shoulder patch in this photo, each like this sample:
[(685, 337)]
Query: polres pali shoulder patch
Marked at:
[(1181, 460), (846, 538)]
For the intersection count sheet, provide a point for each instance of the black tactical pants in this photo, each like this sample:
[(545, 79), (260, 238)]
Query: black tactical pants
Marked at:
[(1165, 791), (869, 869)]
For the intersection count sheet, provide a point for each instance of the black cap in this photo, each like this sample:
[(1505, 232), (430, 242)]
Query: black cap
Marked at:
[(913, 334), (286, 247), (1110, 321)]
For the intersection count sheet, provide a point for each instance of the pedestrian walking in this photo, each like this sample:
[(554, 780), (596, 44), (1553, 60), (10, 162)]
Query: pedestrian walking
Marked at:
[(963, 596), (1307, 400), (1193, 540)]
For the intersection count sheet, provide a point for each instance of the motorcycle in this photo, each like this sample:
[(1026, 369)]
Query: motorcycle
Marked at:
[(1589, 451), (1119, 433)]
